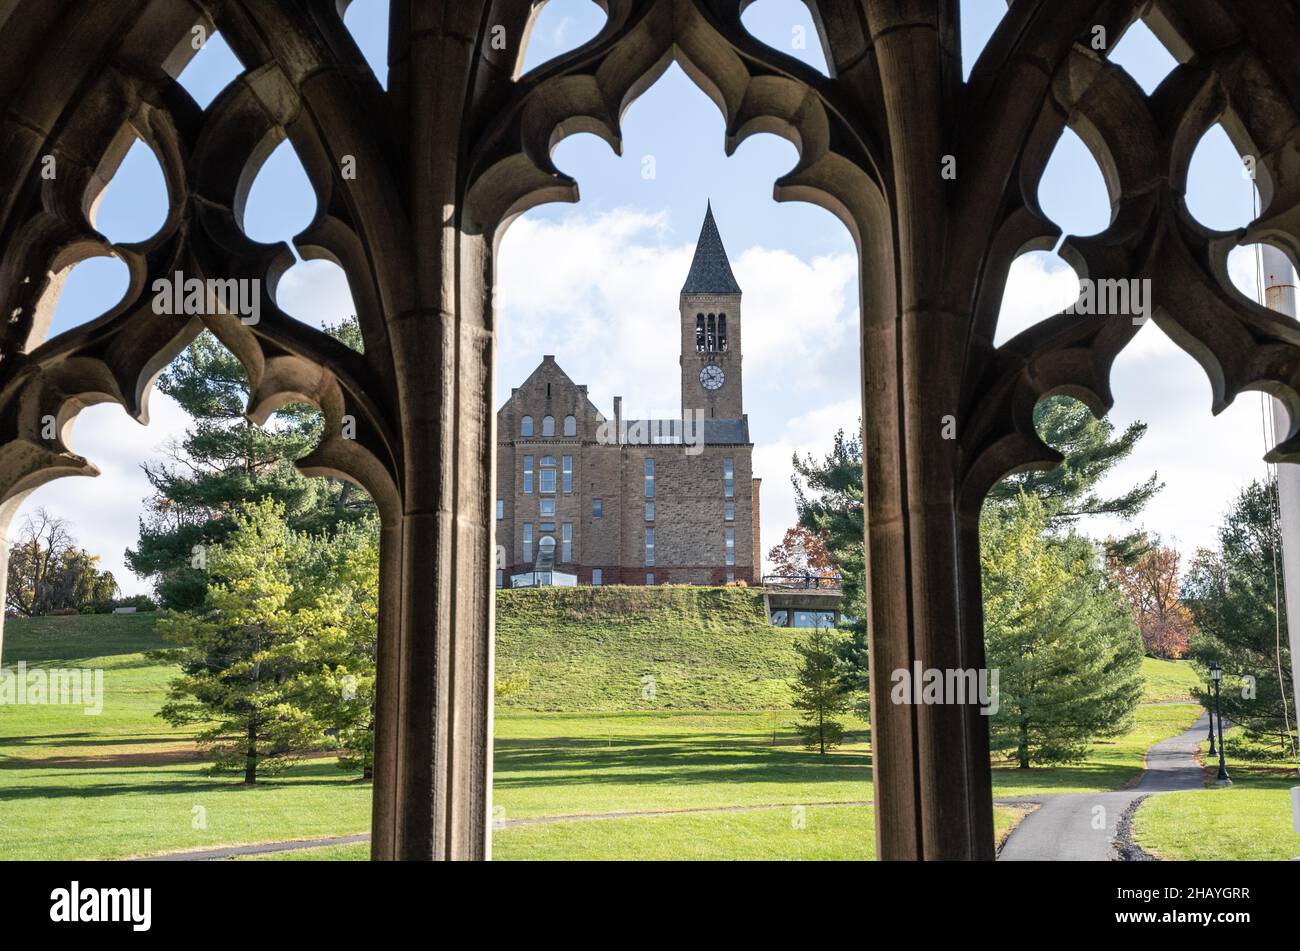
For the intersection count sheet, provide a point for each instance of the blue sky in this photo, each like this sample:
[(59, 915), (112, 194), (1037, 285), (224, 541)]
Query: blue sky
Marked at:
[(596, 284)]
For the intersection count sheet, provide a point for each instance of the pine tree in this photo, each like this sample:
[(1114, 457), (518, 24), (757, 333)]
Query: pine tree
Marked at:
[(1059, 634), (829, 498), (241, 653), (818, 691), (223, 462), (1238, 602)]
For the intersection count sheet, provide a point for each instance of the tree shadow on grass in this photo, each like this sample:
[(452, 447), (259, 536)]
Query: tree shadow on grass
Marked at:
[(667, 761)]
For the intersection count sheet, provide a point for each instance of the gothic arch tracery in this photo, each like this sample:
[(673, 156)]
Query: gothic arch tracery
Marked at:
[(461, 143)]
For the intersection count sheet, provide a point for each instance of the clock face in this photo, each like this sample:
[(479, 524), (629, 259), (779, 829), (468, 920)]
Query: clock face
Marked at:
[(712, 377)]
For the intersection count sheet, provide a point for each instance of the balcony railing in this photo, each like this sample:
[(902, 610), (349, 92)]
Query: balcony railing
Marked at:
[(803, 582)]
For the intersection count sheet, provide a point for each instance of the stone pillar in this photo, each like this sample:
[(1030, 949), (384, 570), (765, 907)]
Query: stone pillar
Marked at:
[(933, 796), (434, 746)]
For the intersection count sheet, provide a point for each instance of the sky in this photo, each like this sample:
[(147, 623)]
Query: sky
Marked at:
[(597, 283)]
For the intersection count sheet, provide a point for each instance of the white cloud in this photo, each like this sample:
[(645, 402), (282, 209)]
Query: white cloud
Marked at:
[(104, 511)]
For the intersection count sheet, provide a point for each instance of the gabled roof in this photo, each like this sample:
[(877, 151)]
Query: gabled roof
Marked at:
[(710, 270)]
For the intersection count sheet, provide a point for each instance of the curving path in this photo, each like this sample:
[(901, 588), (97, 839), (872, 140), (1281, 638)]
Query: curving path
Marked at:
[(1071, 827)]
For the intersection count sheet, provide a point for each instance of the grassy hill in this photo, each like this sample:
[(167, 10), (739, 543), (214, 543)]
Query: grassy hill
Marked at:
[(586, 649)]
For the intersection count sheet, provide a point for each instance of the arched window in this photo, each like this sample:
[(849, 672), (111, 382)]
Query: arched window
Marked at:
[(548, 425), (526, 426), (570, 425), (712, 335), (699, 333), (722, 331)]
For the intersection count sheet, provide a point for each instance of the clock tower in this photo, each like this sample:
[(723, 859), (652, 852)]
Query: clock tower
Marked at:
[(710, 322)]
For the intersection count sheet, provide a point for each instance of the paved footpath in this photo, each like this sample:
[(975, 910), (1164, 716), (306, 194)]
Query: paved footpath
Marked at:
[(1070, 828)]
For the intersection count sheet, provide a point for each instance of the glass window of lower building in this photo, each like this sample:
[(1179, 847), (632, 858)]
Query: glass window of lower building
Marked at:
[(566, 542), (813, 619), (597, 577), (731, 546)]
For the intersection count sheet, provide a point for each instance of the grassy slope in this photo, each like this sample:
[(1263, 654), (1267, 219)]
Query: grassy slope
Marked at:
[(1168, 680), (587, 649)]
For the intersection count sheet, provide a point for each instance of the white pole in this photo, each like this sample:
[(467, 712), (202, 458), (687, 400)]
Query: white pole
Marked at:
[(1280, 295)]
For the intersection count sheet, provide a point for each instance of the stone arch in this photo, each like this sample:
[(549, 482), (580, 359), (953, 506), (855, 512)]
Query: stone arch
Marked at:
[(460, 144)]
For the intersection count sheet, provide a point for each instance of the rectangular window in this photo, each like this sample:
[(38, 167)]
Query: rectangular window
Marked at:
[(728, 479), (548, 508), (649, 511), (528, 475), (501, 578), (649, 546), (597, 508), (729, 511), (731, 546), (568, 474), (597, 577), (546, 527), (649, 478), (548, 481), (566, 542), (501, 509), (528, 541), (650, 578), (731, 577)]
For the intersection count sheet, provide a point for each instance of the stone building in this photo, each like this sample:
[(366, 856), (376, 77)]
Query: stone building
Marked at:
[(586, 498)]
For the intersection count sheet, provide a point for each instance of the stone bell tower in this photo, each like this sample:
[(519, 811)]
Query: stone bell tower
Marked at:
[(710, 322)]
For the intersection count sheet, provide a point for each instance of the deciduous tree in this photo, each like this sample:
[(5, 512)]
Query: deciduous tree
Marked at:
[(1150, 583), (48, 572)]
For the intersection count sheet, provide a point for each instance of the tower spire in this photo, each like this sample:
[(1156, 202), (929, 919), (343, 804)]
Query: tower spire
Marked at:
[(710, 270)]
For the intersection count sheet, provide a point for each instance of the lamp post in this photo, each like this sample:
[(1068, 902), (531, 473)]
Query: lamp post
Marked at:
[(1209, 711), (1216, 674)]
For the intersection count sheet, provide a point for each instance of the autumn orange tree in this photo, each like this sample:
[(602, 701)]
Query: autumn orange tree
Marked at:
[(1150, 583), (802, 552)]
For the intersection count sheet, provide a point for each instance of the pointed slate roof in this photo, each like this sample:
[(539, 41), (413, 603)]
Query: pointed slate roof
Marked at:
[(710, 270)]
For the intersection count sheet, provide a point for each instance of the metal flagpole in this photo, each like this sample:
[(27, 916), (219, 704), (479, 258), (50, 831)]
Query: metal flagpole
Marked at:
[(1280, 295)]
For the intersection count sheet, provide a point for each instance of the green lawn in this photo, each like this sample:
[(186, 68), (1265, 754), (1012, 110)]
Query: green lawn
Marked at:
[(1167, 680), (1111, 764), (125, 783), (823, 833), (1249, 820)]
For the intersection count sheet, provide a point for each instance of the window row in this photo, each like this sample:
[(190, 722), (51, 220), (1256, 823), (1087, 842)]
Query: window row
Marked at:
[(547, 506), (548, 426), (710, 333)]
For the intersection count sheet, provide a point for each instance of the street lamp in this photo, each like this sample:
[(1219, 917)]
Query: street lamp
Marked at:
[(1216, 674)]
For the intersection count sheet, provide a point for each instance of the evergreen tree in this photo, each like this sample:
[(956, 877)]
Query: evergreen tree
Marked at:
[(241, 653), (1060, 635), (341, 576), (1091, 451), (1238, 602), (224, 461), (829, 498), (818, 691)]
